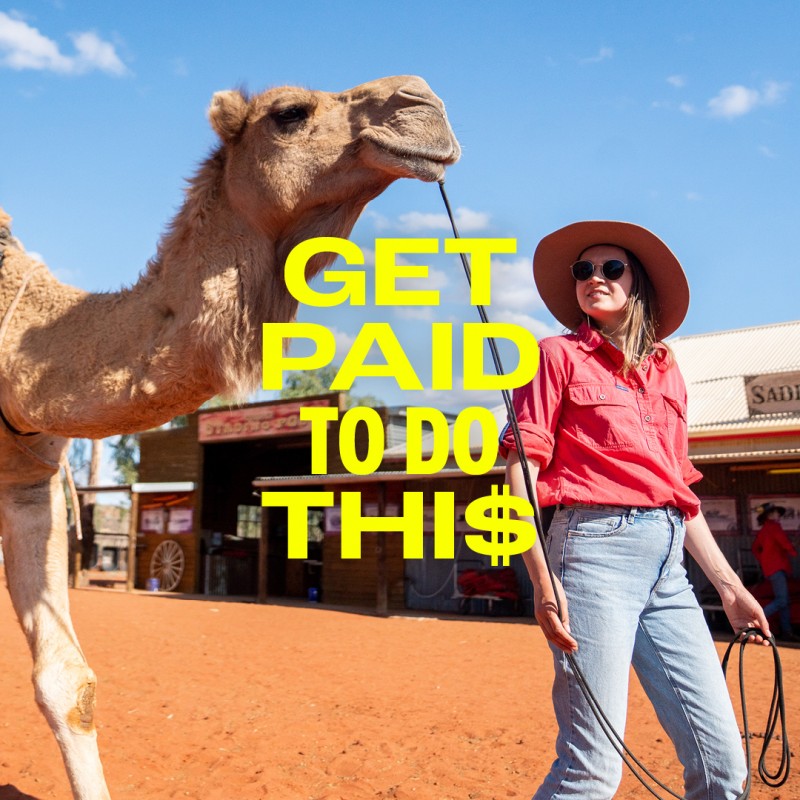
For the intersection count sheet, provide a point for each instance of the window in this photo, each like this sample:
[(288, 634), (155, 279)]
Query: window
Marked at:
[(248, 522)]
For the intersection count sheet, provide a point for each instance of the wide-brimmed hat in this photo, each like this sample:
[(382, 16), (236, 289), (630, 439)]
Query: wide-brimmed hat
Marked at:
[(560, 249), (766, 509)]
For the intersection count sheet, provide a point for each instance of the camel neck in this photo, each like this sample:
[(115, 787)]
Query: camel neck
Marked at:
[(97, 364)]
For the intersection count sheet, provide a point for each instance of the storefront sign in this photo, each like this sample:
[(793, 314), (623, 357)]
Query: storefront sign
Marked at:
[(255, 422), (180, 520), (773, 394), (720, 514)]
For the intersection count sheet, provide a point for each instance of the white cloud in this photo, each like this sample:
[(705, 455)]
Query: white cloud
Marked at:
[(467, 221), (736, 100), (768, 152), (436, 279), (687, 108), (678, 81), (94, 53), (513, 288), (693, 197), (515, 299), (344, 341), (414, 221), (380, 221), (24, 47), (773, 92), (537, 327), (422, 313), (733, 101), (457, 398), (603, 54), (304, 347), (369, 255)]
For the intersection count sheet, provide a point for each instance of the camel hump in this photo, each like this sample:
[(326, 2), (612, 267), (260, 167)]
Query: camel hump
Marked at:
[(5, 223), (6, 237)]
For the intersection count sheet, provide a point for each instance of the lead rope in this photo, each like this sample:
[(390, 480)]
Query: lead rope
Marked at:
[(777, 708), (777, 712)]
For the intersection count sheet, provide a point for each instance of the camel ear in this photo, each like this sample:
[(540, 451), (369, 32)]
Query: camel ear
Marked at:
[(228, 114), (5, 220)]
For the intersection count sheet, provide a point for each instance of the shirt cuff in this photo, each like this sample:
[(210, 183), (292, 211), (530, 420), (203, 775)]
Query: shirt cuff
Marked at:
[(690, 473), (538, 442)]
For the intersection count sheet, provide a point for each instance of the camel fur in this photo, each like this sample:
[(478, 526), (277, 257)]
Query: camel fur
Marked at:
[(291, 164)]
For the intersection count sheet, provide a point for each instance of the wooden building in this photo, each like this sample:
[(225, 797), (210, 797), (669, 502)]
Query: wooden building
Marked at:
[(743, 435), (196, 502)]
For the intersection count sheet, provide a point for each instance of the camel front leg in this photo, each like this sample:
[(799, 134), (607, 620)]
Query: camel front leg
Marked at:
[(33, 526)]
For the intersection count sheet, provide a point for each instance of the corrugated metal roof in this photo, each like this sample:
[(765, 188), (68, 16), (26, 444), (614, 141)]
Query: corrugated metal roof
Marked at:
[(714, 366), (743, 351), (745, 455)]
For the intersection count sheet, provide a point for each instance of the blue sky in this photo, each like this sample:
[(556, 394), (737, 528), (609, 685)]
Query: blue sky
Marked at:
[(681, 116)]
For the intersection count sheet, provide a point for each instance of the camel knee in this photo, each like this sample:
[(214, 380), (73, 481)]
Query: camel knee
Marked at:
[(66, 695)]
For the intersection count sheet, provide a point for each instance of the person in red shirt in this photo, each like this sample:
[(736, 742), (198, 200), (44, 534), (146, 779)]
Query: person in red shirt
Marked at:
[(603, 423), (772, 548)]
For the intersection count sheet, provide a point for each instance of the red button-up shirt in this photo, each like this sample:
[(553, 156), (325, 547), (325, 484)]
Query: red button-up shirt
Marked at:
[(601, 437), (772, 548)]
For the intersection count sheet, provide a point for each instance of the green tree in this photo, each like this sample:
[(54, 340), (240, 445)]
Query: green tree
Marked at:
[(125, 453), (304, 383), (78, 459)]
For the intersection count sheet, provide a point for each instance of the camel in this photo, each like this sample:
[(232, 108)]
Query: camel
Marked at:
[(291, 164)]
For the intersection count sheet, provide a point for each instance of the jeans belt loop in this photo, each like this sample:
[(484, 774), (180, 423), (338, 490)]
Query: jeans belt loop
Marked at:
[(632, 514)]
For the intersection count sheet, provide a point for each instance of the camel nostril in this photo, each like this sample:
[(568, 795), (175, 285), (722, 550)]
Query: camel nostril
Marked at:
[(418, 91)]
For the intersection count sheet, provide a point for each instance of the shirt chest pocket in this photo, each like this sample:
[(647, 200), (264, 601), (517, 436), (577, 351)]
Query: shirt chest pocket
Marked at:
[(604, 416), (676, 419)]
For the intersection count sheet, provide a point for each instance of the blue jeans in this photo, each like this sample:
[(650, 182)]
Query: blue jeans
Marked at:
[(780, 588), (630, 602)]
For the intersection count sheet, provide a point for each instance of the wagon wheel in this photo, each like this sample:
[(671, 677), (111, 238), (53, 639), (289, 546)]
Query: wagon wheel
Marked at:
[(167, 564)]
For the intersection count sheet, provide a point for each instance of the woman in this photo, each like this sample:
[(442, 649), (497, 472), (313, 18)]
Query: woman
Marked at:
[(604, 426)]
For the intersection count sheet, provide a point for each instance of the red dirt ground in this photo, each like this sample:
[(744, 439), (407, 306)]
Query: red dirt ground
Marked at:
[(220, 700)]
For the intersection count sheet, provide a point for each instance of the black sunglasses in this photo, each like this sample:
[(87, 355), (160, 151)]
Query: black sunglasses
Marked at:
[(612, 269)]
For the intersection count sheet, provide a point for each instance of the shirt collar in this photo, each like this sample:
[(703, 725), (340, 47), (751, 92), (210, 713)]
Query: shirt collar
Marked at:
[(590, 339)]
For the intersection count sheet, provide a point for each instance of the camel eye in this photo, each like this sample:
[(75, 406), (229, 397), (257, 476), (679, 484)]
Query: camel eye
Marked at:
[(290, 115)]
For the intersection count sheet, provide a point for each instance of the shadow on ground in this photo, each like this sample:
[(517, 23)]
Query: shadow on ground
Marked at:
[(9, 792)]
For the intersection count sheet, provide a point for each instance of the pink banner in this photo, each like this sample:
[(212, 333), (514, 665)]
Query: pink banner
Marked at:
[(255, 422)]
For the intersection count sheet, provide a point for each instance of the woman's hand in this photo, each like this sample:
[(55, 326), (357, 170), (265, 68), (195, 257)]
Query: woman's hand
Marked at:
[(555, 629), (744, 611), (544, 600)]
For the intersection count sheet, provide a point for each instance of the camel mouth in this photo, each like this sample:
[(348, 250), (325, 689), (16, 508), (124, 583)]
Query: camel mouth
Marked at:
[(424, 161)]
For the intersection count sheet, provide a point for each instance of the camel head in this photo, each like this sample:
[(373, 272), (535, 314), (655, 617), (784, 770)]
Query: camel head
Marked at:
[(301, 163), (292, 164)]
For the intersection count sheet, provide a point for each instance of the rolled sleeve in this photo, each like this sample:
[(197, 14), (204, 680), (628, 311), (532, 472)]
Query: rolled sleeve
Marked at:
[(690, 473), (537, 443), (537, 406)]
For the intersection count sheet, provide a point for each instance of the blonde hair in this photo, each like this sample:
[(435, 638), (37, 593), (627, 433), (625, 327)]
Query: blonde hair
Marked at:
[(637, 331)]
